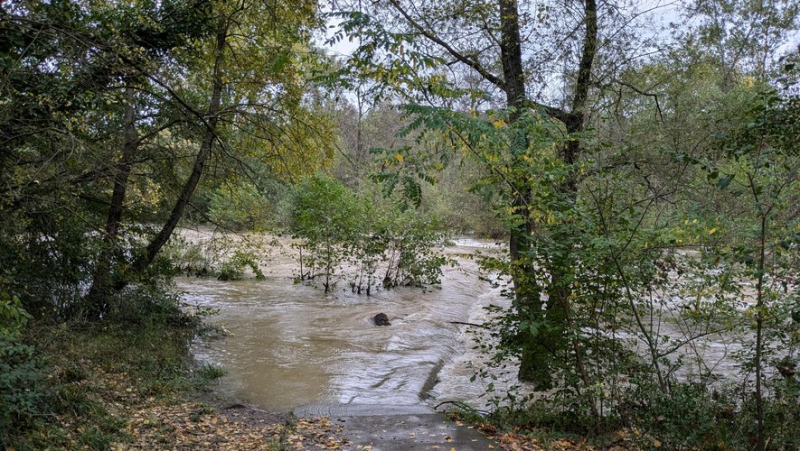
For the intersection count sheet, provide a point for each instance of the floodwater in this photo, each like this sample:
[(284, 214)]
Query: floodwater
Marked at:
[(291, 344)]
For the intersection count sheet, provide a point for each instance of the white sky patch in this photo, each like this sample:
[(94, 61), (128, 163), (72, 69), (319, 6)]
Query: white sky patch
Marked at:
[(654, 20), (341, 49), (791, 46)]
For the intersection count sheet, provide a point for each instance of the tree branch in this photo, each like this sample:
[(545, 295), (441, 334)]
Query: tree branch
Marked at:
[(471, 62), (643, 93)]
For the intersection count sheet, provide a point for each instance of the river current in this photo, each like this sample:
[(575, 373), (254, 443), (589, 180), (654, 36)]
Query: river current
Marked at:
[(292, 344)]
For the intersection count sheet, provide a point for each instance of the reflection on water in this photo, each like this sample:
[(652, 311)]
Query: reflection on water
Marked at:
[(293, 344)]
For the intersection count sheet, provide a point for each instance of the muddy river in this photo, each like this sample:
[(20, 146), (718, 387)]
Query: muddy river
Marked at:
[(292, 344)]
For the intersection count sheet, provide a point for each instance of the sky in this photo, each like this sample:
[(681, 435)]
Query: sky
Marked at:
[(655, 20), (661, 13)]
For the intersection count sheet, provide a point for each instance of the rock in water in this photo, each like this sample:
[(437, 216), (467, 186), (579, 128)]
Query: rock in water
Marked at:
[(382, 320)]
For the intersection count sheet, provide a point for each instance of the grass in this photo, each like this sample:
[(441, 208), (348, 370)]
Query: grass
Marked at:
[(209, 372)]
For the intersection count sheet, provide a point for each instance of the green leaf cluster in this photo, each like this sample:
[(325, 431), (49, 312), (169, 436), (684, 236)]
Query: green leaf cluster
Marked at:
[(343, 235)]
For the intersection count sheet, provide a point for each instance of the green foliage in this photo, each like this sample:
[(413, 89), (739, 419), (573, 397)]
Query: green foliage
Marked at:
[(649, 243), (152, 360), (21, 393), (233, 269), (239, 208), (225, 256), (407, 242), (372, 244), (689, 417), (64, 369), (12, 316), (109, 123), (327, 216), (463, 209), (209, 372), (381, 43), (148, 306)]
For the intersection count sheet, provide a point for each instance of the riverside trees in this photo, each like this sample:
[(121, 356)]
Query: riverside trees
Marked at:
[(372, 245), (617, 156), (485, 39), (600, 136), (113, 116), (115, 113)]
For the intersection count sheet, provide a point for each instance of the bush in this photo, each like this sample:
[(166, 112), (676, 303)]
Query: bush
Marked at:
[(148, 305), (12, 316), (19, 369), (209, 372), (21, 394), (344, 235), (233, 269)]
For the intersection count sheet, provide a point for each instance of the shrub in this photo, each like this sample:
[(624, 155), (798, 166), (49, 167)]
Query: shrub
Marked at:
[(20, 391)]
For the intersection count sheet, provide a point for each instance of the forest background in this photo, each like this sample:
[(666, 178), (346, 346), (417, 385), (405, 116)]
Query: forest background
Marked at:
[(640, 169)]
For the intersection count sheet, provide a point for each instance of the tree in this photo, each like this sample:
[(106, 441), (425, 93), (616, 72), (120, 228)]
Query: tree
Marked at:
[(739, 36), (71, 69), (485, 38), (595, 173), (262, 61), (104, 104)]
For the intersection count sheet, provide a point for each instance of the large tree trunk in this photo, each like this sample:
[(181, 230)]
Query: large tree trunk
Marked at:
[(101, 283), (554, 319), (206, 146), (514, 87), (551, 321), (537, 344)]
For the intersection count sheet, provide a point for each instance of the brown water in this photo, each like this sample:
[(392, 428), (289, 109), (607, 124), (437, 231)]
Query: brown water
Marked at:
[(293, 344)]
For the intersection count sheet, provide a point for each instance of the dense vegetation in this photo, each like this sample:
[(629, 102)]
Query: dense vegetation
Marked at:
[(642, 165)]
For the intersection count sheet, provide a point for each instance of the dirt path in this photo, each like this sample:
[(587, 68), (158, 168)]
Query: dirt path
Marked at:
[(390, 428), (241, 426)]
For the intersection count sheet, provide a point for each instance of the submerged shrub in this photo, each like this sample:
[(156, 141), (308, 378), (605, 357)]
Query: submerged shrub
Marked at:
[(345, 236)]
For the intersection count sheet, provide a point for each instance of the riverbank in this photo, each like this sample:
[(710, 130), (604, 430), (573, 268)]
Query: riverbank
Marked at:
[(113, 386)]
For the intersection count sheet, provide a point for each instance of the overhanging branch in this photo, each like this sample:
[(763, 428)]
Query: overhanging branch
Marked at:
[(471, 62)]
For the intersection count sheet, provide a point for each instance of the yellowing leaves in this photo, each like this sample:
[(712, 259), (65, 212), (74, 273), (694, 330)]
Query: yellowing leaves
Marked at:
[(192, 426)]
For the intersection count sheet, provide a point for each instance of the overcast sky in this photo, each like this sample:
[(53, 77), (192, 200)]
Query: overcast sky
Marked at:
[(660, 13)]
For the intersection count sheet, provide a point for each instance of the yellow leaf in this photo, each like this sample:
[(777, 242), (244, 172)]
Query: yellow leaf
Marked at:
[(712, 231), (399, 157)]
